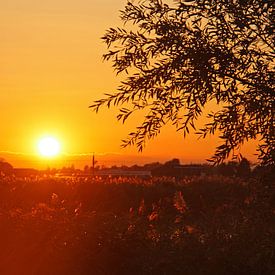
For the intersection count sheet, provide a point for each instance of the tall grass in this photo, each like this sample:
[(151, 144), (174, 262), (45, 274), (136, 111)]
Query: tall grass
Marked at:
[(199, 225)]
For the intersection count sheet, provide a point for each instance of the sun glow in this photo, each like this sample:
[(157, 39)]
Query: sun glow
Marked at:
[(48, 147)]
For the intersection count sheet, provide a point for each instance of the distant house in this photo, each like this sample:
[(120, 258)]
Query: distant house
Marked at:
[(192, 170), (25, 172), (123, 173), (179, 170)]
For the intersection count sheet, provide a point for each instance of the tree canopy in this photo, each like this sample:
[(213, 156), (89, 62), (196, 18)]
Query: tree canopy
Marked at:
[(179, 56)]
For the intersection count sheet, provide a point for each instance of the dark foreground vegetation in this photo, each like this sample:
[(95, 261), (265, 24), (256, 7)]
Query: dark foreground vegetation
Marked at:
[(199, 225)]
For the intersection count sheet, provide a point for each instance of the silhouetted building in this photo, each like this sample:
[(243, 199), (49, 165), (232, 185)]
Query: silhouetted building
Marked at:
[(173, 168), (25, 172), (123, 173)]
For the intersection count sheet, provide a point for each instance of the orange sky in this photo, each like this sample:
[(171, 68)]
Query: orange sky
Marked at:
[(51, 70)]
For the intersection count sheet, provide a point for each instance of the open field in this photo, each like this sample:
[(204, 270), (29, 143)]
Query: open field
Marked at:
[(199, 225)]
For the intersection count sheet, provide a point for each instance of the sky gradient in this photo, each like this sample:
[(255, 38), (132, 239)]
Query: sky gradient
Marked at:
[(51, 70)]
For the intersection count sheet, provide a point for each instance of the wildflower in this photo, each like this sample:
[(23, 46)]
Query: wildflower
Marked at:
[(141, 209), (54, 199), (153, 216), (179, 202)]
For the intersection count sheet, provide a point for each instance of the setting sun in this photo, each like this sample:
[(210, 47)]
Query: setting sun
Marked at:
[(48, 147)]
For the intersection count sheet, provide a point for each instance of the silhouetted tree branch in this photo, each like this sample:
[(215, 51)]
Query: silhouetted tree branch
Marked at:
[(179, 57)]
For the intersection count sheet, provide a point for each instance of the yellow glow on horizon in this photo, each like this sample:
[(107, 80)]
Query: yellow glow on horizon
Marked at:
[(52, 70), (48, 147)]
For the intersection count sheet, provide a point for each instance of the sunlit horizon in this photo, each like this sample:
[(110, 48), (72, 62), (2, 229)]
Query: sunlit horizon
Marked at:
[(53, 70)]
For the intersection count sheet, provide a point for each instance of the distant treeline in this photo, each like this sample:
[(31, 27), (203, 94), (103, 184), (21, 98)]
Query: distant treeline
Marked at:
[(171, 168)]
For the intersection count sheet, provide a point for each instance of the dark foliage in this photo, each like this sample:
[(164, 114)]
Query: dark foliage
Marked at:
[(5, 168), (179, 57), (200, 225)]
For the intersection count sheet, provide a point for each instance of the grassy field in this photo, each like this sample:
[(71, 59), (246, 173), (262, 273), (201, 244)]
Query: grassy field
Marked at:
[(199, 225)]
